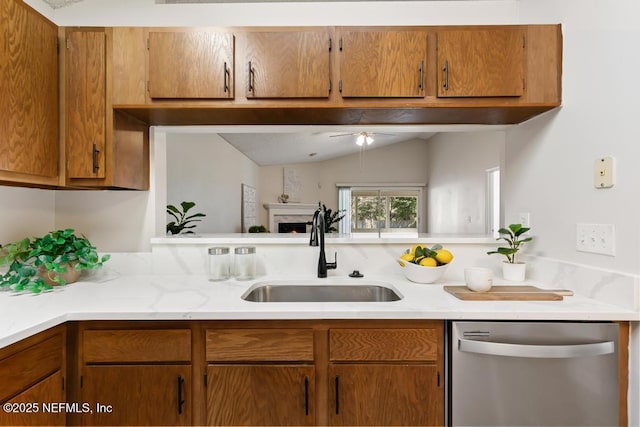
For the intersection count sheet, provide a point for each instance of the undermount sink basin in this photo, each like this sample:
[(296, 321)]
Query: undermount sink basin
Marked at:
[(282, 291)]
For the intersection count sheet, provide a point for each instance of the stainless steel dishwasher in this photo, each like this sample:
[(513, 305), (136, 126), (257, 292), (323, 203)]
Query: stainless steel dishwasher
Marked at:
[(533, 374)]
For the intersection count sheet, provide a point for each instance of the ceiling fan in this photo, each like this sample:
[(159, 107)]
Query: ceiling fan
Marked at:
[(362, 137)]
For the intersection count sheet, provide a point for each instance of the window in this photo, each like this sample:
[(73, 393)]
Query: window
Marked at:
[(378, 211)]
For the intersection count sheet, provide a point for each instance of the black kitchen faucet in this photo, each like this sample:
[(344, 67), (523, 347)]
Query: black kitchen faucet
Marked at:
[(317, 235)]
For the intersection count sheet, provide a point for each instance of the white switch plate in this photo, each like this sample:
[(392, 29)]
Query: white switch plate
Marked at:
[(604, 172), (524, 218), (596, 238)]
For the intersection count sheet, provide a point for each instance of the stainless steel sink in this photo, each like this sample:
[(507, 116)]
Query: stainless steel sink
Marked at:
[(282, 291)]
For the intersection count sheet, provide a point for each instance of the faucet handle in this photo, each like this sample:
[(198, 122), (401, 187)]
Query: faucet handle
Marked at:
[(333, 265)]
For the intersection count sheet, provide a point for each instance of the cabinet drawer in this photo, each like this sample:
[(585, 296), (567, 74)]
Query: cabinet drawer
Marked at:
[(167, 345), (29, 366), (383, 344), (225, 345)]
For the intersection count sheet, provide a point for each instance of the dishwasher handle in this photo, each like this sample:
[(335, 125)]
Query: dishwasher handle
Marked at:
[(536, 351)]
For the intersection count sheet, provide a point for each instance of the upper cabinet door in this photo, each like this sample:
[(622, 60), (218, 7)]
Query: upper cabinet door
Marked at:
[(288, 64), (191, 65), (28, 91), (383, 63), (86, 103), (481, 62)]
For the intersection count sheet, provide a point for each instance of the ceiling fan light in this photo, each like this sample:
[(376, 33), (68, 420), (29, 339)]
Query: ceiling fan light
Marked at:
[(369, 140), (360, 140)]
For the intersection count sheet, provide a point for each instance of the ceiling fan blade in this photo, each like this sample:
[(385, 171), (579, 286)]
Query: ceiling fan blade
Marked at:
[(343, 134)]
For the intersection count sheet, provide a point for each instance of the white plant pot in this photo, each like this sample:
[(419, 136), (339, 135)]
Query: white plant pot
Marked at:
[(514, 272)]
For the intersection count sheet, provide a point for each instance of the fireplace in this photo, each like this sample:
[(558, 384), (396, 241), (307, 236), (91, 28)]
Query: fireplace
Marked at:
[(292, 227), (289, 213)]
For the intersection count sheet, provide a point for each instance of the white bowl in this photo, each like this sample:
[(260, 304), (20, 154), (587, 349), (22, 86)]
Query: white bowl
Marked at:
[(478, 279), (421, 274)]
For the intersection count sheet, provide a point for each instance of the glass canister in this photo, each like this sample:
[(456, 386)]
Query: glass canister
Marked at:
[(245, 263), (219, 264)]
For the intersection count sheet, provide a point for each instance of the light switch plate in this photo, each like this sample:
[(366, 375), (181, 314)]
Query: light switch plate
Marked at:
[(604, 172), (596, 238)]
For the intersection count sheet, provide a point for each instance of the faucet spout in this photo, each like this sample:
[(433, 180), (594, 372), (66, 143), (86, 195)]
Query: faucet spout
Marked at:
[(317, 239)]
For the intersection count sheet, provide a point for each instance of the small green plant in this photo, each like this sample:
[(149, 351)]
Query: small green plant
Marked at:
[(31, 260), (331, 218), (257, 229), (182, 220), (512, 236)]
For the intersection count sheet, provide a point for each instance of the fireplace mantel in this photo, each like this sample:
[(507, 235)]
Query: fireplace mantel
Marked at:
[(303, 212)]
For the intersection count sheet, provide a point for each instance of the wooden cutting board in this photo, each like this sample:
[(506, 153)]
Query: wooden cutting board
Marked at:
[(509, 293)]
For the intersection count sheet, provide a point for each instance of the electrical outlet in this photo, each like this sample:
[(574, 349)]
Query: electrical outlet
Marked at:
[(524, 218), (596, 238)]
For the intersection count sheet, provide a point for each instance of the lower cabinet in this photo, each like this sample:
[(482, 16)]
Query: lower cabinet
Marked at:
[(260, 394), (354, 373), (32, 386), (136, 395), (240, 373), (384, 394), (134, 374)]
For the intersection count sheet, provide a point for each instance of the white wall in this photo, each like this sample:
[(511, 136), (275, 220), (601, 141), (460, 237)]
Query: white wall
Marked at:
[(457, 164), (25, 212), (147, 13), (209, 171), (395, 163), (549, 160)]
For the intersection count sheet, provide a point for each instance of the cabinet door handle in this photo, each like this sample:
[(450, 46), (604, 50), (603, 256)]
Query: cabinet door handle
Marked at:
[(445, 75), (337, 395), (180, 397), (226, 78), (306, 395), (94, 154), (251, 88), (421, 85)]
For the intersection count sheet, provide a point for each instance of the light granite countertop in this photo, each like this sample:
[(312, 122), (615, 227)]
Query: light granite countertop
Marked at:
[(187, 297)]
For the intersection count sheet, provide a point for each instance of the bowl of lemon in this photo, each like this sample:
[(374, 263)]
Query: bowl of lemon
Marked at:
[(421, 264)]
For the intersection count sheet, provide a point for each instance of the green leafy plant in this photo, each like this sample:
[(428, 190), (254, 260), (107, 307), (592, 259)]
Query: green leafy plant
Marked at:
[(182, 220), (257, 229), (331, 218), (31, 260), (513, 236)]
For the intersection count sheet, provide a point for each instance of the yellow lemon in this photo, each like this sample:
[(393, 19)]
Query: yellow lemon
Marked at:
[(428, 262), (407, 257), (414, 247), (444, 256)]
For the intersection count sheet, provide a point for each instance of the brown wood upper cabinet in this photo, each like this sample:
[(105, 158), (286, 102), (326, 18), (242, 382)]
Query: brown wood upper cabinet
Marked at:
[(191, 64), (86, 109), (29, 95), (287, 64), (484, 62), (389, 63)]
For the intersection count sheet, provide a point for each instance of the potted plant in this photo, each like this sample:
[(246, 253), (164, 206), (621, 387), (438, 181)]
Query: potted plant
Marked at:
[(511, 269), (182, 220), (331, 218), (38, 264)]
